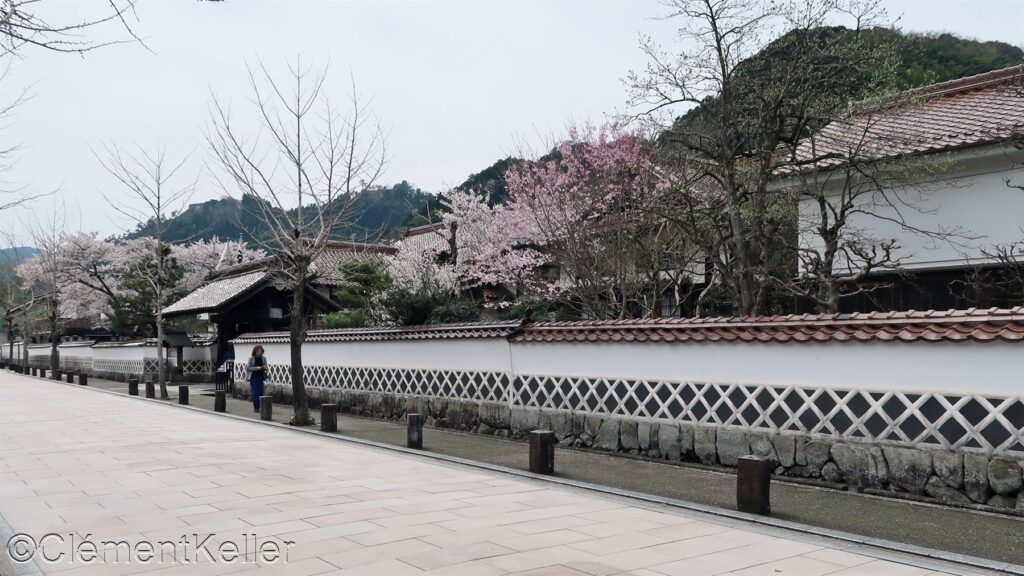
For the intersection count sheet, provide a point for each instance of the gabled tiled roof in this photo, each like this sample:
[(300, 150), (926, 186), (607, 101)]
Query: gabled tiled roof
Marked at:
[(972, 111), (217, 293), (933, 326), (427, 332), (326, 264)]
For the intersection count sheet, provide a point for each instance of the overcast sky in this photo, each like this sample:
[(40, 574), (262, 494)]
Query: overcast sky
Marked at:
[(458, 85)]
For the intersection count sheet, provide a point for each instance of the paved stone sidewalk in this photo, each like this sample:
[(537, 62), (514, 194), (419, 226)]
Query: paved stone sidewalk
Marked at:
[(89, 469)]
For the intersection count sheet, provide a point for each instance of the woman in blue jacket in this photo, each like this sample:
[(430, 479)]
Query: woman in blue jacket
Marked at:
[(257, 370)]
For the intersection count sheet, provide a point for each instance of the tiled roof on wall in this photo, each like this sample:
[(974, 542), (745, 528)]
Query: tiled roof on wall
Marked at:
[(1005, 325), (427, 332)]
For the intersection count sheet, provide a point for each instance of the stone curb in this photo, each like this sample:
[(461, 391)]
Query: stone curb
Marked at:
[(919, 555)]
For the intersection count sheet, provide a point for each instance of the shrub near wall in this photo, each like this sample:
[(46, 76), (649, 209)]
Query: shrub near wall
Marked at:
[(912, 417)]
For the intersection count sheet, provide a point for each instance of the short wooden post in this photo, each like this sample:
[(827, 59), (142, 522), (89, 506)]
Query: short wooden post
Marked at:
[(266, 407), (328, 417), (183, 394), (753, 484), (57, 375), (83, 378), (414, 431), (35, 371), (70, 377), (133, 386), (220, 401), (150, 390), (542, 452)]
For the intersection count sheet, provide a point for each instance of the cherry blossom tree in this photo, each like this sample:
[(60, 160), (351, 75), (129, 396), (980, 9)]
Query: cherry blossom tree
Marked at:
[(588, 206), (198, 259)]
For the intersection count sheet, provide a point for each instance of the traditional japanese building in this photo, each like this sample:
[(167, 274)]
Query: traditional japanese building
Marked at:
[(246, 298)]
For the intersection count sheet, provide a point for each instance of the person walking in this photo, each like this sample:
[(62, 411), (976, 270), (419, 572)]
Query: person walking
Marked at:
[(257, 370)]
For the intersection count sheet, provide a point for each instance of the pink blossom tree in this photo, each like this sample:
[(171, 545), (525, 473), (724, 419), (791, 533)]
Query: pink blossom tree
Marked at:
[(588, 206)]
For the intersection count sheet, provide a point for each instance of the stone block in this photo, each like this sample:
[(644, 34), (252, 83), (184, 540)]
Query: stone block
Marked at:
[(705, 444), (976, 478), (522, 421), (1004, 476), (438, 407), (909, 469), (761, 445), (785, 449), (816, 453), (864, 467), (628, 435), (949, 467), (731, 444), (830, 472), (668, 441), (686, 439), (561, 424), (608, 437), (647, 435), (497, 416), (939, 489)]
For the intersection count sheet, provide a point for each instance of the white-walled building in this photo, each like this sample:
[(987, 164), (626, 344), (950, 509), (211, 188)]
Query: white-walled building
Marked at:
[(949, 203)]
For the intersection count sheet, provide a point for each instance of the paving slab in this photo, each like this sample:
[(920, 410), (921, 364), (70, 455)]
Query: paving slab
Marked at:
[(188, 491)]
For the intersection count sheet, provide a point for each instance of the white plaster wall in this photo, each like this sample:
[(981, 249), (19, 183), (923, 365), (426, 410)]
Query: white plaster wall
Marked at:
[(6, 348), (971, 195), (76, 351), (484, 354), (124, 353), (958, 368), (195, 353)]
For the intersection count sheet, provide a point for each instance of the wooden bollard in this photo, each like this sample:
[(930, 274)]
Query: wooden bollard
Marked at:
[(35, 371), (220, 401), (414, 431), (70, 377), (328, 417), (753, 485), (83, 378), (266, 407), (133, 386), (183, 394), (42, 373), (150, 390), (542, 451), (57, 375)]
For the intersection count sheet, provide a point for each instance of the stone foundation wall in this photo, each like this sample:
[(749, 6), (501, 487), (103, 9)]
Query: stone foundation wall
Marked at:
[(943, 476)]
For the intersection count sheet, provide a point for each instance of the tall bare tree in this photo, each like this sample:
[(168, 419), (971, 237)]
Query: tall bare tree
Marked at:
[(754, 76), (306, 169), (155, 189)]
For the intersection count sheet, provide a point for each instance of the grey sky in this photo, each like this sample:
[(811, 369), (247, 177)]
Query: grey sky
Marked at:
[(457, 84)]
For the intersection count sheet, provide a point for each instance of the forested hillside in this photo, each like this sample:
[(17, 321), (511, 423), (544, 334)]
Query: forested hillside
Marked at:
[(378, 214)]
